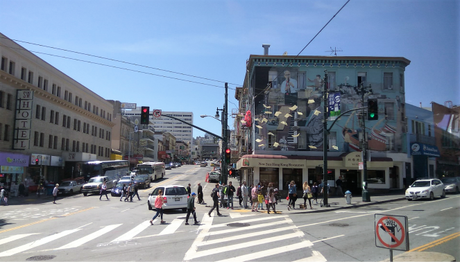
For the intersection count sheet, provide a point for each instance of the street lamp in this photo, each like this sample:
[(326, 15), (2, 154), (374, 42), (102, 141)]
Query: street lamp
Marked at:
[(215, 117)]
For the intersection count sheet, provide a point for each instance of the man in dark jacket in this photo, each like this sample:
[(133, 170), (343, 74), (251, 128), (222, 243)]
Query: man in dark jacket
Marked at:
[(189, 190), (215, 199), (191, 209), (230, 191), (200, 194)]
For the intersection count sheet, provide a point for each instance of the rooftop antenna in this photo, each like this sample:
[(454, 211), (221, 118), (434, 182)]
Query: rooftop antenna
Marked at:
[(334, 50)]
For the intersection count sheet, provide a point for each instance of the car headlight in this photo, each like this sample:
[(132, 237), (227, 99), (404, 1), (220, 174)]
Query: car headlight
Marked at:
[(425, 191), (450, 186), (407, 192)]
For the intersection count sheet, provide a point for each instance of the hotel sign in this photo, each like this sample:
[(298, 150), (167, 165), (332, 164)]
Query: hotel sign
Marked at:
[(23, 116)]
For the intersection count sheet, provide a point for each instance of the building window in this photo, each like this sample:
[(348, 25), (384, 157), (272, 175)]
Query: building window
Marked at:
[(37, 111), (76, 100), (6, 136), (31, 77), (1, 99), (23, 73), (58, 93), (11, 70), (43, 113), (331, 80), (45, 84), (66, 95), (79, 125), (389, 110), (362, 76), (74, 124), (55, 142), (36, 138), (86, 105), (79, 102), (78, 146), (429, 130), (388, 81), (73, 146), (50, 141), (52, 116), (63, 144), (67, 144), (68, 121), (42, 139), (1, 130), (64, 120), (70, 97), (376, 176), (53, 89), (9, 101), (4, 63), (56, 118), (40, 82)]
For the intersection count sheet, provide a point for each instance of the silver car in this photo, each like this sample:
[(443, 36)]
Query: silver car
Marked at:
[(451, 184)]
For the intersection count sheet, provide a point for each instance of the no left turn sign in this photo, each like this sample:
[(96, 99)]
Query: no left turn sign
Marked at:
[(391, 232), (156, 113)]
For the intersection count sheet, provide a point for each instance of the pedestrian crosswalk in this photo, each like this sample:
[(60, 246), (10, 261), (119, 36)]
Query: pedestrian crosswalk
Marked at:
[(254, 238)]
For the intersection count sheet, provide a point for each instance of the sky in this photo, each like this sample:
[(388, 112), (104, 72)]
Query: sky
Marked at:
[(178, 54)]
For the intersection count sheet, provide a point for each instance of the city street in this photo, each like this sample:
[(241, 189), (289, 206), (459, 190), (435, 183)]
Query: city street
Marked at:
[(81, 228)]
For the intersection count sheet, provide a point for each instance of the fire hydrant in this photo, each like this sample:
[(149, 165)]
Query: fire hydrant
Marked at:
[(348, 196)]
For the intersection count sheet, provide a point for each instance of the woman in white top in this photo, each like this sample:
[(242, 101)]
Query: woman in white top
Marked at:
[(55, 193), (306, 195)]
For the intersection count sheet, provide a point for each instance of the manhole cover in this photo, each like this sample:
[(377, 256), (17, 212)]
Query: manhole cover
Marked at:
[(338, 225), (238, 225), (40, 258)]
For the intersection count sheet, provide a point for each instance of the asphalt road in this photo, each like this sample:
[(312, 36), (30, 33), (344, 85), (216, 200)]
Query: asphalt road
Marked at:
[(82, 228)]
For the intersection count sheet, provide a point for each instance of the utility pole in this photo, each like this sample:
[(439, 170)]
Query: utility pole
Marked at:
[(325, 138), (225, 136)]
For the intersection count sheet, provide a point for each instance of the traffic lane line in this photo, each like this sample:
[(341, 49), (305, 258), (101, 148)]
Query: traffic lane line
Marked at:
[(436, 242), (44, 220)]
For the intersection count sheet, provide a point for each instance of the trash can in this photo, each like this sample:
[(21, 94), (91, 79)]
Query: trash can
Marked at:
[(348, 196)]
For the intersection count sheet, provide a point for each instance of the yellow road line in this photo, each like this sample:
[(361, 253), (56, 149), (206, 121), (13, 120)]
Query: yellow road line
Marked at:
[(436, 242), (43, 220)]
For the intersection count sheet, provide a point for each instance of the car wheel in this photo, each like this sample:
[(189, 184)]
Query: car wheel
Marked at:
[(148, 204), (85, 194), (409, 199), (184, 210), (431, 196), (71, 191), (443, 193), (456, 190)]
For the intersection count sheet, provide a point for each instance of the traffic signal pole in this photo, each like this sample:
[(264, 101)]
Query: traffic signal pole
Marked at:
[(224, 166)]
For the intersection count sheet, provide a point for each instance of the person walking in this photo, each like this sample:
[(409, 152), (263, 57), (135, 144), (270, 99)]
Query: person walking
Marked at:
[(136, 193), (200, 194), (306, 195), (189, 190), (2, 196), (215, 198), (158, 207), (128, 192), (191, 209), (55, 193), (260, 200), (255, 201), (339, 183), (244, 193), (103, 190), (314, 191), (271, 200), (230, 191), (123, 192), (292, 189)]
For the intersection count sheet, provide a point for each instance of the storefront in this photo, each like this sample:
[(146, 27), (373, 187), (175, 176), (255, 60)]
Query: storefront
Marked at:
[(280, 170), (12, 167), (424, 160)]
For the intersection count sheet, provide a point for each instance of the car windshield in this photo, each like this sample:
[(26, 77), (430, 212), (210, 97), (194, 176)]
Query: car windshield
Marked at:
[(96, 180), (120, 185), (65, 183), (449, 180), (142, 177), (125, 178), (421, 184), (175, 191)]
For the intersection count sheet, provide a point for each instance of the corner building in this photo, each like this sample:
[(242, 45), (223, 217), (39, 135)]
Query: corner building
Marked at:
[(279, 125), (46, 115)]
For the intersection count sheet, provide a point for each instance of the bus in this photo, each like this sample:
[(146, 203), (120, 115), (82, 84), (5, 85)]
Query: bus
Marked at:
[(155, 170), (114, 169)]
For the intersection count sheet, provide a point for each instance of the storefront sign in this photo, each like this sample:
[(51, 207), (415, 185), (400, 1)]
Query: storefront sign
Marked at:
[(12, 169), (419, 149), (352, 159), (280, 163), (23, 115), (10, 159), (43, 160), (56, 161)]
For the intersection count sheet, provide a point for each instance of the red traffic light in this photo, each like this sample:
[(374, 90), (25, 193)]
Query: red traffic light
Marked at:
[(145, 110), (36, 161), (227, 150)]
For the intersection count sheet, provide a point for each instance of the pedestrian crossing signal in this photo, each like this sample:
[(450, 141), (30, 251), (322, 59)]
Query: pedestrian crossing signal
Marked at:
[(145, 115)]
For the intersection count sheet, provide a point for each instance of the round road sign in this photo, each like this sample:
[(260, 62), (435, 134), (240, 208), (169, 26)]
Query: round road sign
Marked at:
[(390, 226), (156, 113)]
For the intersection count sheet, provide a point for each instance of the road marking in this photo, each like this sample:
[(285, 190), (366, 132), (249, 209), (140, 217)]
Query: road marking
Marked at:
[(413, 218), (446, 209), (171, 228), (266, 252), (231, 230), (251, 220), (203, 230), (133, 232), (15, 237), (37, 243), (89, 237), (436, 242), (326, 239), (317, 257), (239, 215)]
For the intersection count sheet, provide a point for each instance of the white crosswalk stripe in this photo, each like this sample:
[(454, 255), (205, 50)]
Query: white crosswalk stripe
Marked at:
[(89, 237), (15, 237), (133, 232)]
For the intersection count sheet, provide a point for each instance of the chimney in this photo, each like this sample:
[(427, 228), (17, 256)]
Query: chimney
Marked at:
[(266, 47), (420, 104)]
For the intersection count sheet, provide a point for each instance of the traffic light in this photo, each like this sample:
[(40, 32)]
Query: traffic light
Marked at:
[(227, 155), (372, 109), (145, 115), (230, 172), (36, 161)]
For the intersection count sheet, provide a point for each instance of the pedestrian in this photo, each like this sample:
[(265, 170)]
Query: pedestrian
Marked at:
[(128, 192), (189, 189), (40, 187), (292, 189), (314, 191), (2, 196), (230, 191), (103, 190), (158, 207), (244, 193), (306, 195), (222, 195), (271, 200), (215, 198), (238, 194), (260, 200), (254, 199), (191, 209), (338, 183), (136, 193), (200, 194), (55, 193), (22, 190), (123, 190)]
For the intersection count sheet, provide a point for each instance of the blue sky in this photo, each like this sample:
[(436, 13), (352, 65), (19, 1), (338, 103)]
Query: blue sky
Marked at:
[(213, 39)]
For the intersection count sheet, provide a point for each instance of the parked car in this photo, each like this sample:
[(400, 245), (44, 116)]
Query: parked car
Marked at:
[(451, 184), (94, 185), (168, 166), (203, 164), (69, 187), (175, 197), (426, 188), (142, 181), (214, 176)]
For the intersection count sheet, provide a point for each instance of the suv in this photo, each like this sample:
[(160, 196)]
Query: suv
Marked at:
[(94, 185), (174, 196)]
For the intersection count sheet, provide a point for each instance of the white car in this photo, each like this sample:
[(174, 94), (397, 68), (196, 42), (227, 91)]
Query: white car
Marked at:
[(175, 197), (69, 187), (426, 188)]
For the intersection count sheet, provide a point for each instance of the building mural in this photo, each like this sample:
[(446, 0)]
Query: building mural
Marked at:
[(288, 106)]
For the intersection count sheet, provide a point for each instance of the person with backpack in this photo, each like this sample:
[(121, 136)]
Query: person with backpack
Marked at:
[(239, 195), (230, 190), (191, 209), (215, 198)]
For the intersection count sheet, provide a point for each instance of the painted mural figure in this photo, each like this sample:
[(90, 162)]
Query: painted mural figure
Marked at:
[(314, 124), (318, 83), (289, 87)]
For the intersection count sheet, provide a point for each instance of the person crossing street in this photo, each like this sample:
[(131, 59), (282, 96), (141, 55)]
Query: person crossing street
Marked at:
[(191, 209), (215, 198)]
